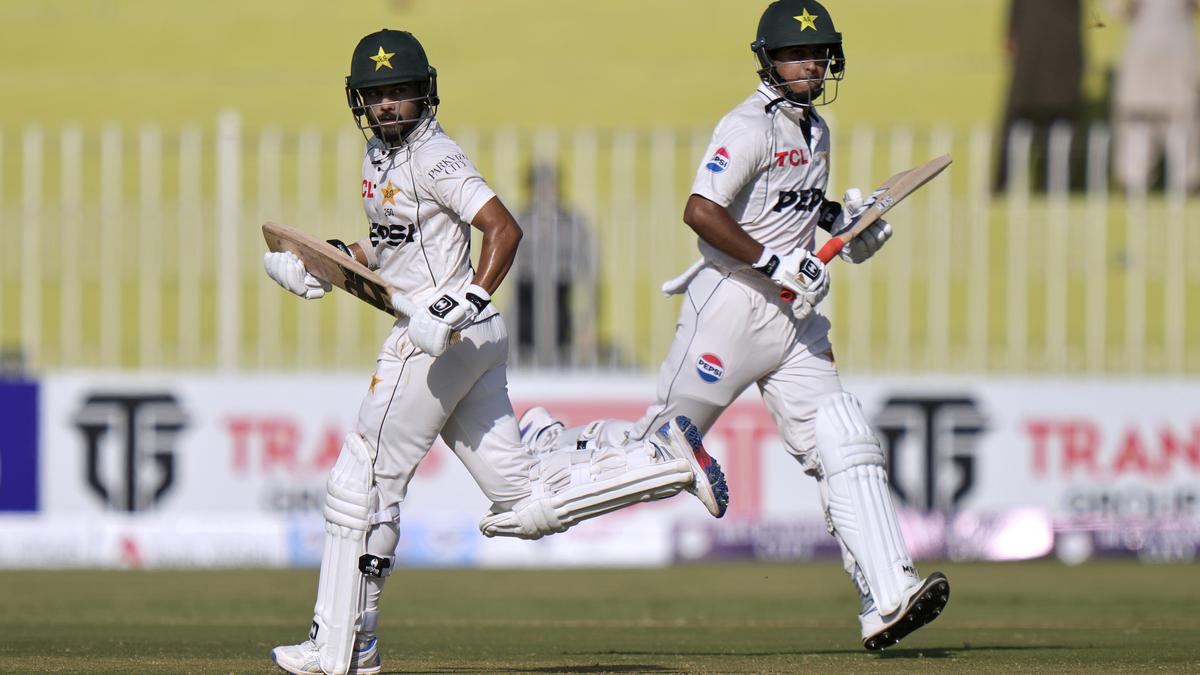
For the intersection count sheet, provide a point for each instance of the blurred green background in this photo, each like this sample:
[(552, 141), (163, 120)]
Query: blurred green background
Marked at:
[(522, 63)]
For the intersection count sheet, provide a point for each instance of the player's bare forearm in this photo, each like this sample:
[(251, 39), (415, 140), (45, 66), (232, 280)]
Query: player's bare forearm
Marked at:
[(714, 225), (501, 234)]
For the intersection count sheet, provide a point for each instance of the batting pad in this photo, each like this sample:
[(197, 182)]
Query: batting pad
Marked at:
[(859, 503), (570, 487), (340, 589)]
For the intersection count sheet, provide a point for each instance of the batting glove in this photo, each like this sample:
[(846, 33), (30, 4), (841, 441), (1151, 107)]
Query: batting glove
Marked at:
[(430, 330), (800, 272), (869, 240), (288, 271)]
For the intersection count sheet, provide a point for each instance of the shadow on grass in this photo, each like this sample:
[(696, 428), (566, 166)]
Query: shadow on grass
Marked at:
[(593, 668), (902, 653)]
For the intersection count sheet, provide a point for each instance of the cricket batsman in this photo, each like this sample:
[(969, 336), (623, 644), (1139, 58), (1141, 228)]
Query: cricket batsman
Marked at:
[(757, 201), (421, 195)]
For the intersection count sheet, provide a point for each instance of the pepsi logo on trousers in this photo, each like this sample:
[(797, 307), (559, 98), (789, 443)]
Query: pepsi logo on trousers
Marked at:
[(709, 367)]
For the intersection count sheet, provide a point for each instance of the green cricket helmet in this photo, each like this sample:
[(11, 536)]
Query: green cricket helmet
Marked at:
[(799, 23), (390, 57)]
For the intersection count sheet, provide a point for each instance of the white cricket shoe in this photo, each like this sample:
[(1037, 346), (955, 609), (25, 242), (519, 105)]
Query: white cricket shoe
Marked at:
[(539, 430), (922, 604), (680, 438), (305, 659)]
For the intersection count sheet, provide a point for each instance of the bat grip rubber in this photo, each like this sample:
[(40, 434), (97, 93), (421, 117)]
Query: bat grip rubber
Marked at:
[(830, 249)]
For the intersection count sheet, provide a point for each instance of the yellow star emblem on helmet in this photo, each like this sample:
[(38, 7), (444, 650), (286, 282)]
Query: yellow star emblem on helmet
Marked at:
[(806, 20), (384, 59)]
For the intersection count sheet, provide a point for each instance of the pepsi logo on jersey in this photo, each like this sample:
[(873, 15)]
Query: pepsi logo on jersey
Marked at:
[(709, 367), (719, 161)]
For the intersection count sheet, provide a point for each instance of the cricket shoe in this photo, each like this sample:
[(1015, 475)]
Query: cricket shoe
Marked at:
[(681, 438), (539, 430), (305, 658), (922, 604)]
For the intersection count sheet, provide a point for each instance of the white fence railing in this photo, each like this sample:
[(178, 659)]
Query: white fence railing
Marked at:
[(141, 249)]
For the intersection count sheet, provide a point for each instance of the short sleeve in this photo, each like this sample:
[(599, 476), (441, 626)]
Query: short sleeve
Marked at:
[(736, 154), (455, 182)]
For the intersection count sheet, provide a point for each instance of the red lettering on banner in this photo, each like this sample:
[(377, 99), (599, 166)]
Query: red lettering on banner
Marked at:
[(1080, 445), (239, 429), (1173, 448), (280, 438), (1131, 458), (274, 444), (328, 448), (1073, 446), (1039, 430)]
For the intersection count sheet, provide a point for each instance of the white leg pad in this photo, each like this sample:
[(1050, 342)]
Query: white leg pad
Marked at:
[(859, 504), (340, 591), (572, 486)]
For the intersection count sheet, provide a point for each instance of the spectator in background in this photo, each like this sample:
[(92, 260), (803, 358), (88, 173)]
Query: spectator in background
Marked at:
[(1045, 46), (554, 258), (1154, 104)]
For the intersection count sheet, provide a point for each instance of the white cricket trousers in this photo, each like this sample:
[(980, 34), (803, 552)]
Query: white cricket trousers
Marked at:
[(734, 330), (461, 395)]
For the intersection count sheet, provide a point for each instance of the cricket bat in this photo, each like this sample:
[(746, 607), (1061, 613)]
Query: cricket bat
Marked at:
[(895, 189), (324, 261)]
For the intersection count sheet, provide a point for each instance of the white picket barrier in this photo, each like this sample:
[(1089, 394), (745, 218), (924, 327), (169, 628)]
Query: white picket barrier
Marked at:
[(146, 254)]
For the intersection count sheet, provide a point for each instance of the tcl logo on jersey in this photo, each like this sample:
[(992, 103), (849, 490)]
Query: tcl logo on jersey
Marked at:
[(801, 200), (790, 158), (392, 235), (719, 161), (709, 367)]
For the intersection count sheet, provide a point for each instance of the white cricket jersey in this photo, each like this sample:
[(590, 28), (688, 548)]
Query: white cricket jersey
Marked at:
[(420, 199), (772, 180)]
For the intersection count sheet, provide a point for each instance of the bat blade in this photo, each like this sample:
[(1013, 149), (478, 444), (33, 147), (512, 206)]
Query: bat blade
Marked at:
[(895, 189), (326, 262)]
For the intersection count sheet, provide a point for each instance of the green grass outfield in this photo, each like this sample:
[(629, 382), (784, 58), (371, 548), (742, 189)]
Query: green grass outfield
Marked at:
[(1016, 617)]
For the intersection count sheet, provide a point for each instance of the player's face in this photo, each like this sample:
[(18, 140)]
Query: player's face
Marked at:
[(802, 67), (391, 105)]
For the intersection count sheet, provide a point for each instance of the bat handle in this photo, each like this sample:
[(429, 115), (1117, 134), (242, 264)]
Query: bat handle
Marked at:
[(403, 305), (830, 249)]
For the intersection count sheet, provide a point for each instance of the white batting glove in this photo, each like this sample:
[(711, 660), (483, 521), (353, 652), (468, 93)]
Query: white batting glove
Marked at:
[(800, 272), (869, 240), (430, 330), (287, 271)]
